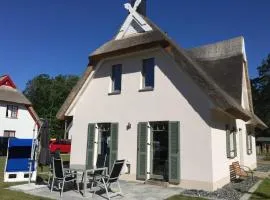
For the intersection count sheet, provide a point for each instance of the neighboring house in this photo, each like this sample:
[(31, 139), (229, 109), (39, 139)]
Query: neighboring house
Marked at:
[(177, 115), (263, 145), (17, 116)]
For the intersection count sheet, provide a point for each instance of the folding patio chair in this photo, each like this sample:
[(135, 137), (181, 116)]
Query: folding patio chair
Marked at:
[(61, 175), (104, 182)]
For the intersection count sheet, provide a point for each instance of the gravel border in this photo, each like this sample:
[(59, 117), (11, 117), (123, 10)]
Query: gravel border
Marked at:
[(231, 191)]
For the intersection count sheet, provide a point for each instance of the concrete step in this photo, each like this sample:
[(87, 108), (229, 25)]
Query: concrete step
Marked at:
[(157, 183)]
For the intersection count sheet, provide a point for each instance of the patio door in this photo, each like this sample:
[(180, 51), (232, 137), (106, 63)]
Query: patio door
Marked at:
[(163, 163), (102, 144), (159, 151)]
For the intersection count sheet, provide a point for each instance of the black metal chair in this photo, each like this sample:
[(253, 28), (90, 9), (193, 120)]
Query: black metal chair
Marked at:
[(99, 171), (105, 181), (61, 175)]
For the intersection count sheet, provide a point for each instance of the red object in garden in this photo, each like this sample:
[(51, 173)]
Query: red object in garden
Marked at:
[(63, 146)]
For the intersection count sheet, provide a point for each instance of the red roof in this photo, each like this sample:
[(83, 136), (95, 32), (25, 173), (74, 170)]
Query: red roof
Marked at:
[(6, 80)]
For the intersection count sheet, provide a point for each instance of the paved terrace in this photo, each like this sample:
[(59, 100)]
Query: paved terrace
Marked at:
[(131, 191)]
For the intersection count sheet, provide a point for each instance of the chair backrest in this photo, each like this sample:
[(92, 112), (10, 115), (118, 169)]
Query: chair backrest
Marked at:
[(238, 170), (116, 170), (101, 160), (236, 167), (58, 168)]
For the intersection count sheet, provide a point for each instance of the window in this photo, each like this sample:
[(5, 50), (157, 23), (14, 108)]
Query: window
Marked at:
[(148, 72), (116, 78), (9, 133), (231, 142), (249, 143), (12, 111)]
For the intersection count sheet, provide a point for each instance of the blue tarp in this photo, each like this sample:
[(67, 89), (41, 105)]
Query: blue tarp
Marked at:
[(19, 165), (19, 154), (14, 142)]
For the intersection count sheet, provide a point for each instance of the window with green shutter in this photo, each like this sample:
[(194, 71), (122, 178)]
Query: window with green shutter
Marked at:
[(231, 142), (249, 143)]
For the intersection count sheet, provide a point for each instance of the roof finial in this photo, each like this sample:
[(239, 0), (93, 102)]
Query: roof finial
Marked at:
[(133, 15)]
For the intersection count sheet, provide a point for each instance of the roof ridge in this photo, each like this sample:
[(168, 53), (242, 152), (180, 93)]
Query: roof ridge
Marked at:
[(218, 50), (217, 42)]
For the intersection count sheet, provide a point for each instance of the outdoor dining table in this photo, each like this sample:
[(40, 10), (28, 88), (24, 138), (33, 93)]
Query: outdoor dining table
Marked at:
[(82, 169)]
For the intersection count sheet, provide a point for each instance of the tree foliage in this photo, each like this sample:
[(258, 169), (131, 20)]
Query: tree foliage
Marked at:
[(47, 95), (261, 94)]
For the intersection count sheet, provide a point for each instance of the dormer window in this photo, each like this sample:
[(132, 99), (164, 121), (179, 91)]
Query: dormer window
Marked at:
[(12, 111), (116, 78), (148, 74)]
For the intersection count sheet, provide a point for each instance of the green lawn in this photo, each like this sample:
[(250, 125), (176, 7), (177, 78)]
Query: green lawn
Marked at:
[(263, 192), (13, 195)]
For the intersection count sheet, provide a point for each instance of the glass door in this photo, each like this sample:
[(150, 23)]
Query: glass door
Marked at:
[(104, 138), (159, 151)]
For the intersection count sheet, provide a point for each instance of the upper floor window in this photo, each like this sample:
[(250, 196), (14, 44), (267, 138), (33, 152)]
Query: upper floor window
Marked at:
[(12, 111), (9, 133), (231, 145), (116, 78), (148, 72)]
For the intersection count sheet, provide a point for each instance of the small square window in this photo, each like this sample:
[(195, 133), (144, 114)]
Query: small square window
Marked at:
[(8, 133), (148, 74), (12, 111), (116, 78)]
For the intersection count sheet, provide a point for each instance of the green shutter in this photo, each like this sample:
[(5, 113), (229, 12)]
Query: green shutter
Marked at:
[(114, 144), (251, 144), (234, 144), (142, 151), (90, 146), (174, 152), (247, 143), (228, 142)]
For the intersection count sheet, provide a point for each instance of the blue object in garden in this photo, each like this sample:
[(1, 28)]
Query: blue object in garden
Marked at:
[(19, 159)]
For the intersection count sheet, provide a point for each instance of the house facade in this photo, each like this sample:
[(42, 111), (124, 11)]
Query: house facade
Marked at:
[(17, 116), (176, 115)]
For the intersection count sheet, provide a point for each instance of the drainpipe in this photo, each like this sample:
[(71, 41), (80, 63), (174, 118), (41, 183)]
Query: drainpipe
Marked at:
[(65, 134)]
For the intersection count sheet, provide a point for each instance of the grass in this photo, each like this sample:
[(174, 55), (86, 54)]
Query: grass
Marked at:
[(263, 192), (14, 195), (181, 197)]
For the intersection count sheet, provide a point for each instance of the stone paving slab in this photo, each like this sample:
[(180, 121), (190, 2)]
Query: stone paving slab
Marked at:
[(131, 191)]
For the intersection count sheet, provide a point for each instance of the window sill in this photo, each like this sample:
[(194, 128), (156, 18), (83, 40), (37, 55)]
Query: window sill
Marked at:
[(147, 89), (12, 117), (114, 93)]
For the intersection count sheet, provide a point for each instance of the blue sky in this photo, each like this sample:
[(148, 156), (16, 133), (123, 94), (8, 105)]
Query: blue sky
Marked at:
[(56, 36)]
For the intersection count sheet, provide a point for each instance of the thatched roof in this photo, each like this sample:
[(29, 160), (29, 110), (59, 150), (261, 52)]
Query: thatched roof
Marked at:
[(199, 63), (9, 94)]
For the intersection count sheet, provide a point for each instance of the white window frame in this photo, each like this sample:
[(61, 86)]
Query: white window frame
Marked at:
[(143, 74), (12, 111), (112, 89), (9, 133)]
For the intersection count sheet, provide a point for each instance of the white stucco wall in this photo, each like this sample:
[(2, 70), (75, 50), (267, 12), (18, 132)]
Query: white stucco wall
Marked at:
[(245, 159), (23, 125), (175, 98), (221, 174), (221, 163)]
